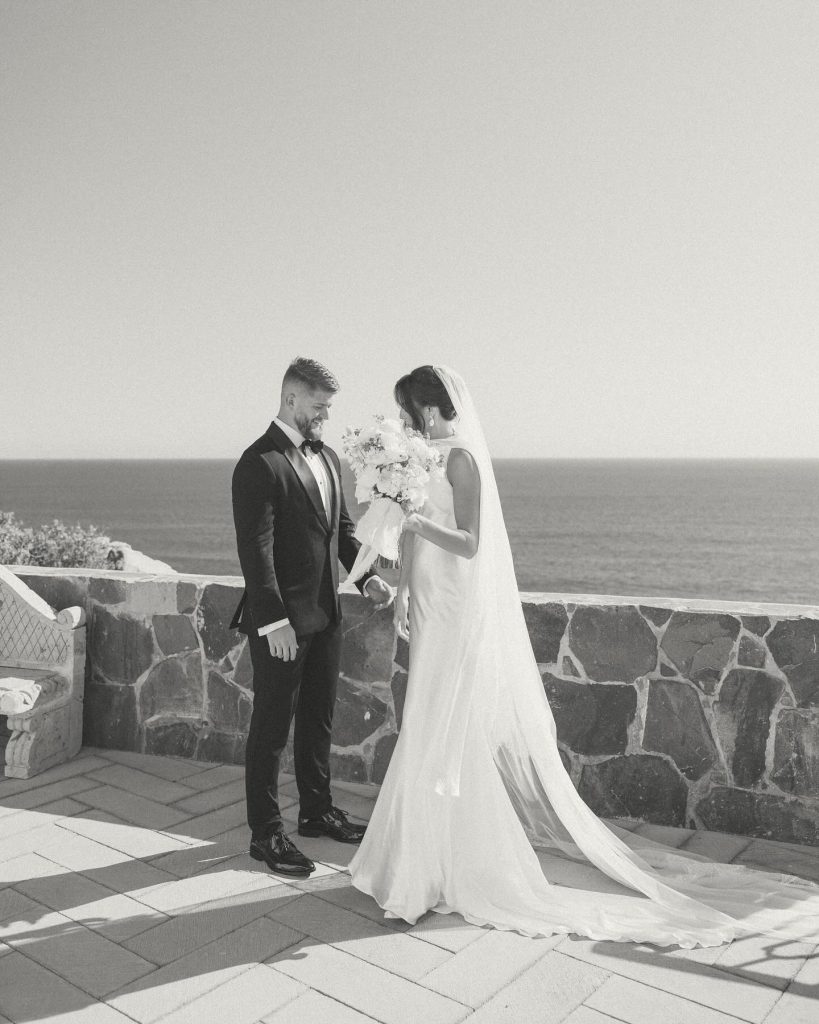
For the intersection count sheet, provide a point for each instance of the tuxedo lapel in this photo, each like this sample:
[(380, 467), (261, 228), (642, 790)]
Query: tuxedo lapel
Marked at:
[(302, 471), (336, 495)]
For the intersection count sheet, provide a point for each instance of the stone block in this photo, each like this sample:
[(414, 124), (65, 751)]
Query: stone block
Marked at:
[(569, 667), (243, 672), (402, 653), (546, 624), (369, 643), (700, 646), (186, 598), (751, 653), (743, 717), (172, 738), (758, 814), (399, 695), (174, 634), (676, 725), (347, 767), (358, 714), (216, 608), (591, 718), (796, 752), (759, 624), (613, 644), (173, 687), (381, 759), (225, 747), (109, 716), (794, 644), (635, 786), (120, 648), (659, 616), (228, 707), (107, 591), (58, 591)]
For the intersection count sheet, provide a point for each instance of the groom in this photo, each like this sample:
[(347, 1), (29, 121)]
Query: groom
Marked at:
[(292, 529)]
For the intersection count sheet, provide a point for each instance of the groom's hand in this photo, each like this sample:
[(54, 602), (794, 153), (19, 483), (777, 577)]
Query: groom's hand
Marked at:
[(379, 592), (282, 642)]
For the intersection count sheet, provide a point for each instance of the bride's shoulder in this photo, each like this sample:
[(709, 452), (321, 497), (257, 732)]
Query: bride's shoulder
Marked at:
[(461, 464)]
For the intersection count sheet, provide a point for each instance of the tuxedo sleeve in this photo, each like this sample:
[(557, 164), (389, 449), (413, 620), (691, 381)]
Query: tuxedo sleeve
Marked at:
[(254, 519), (348, 546)]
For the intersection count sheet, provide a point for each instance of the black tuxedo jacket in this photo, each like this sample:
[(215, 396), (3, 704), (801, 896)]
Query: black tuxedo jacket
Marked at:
[(288, 550)]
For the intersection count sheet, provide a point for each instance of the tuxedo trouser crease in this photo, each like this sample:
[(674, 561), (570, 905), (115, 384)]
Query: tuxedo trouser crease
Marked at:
[(304, 689)]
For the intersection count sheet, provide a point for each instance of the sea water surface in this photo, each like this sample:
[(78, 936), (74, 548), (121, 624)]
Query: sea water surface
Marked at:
[(736, 530)]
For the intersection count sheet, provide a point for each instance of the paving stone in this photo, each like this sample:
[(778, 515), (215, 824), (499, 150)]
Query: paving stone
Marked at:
[(764, 960), (483, 968), (134, 809), (578, 875), (140, 783), (108, 866), (42, 795), (785, 857), (635, 1003), (326, 851), (183, 933), (15, 905), (86, 901), (242, 1000), (212, 824), (216, 775), (30, 992), (27, 866), (47, 814), (340, 891), (77, 766), (170, 768), (315, 1008), (173, 986), (543, 994), (211, 799), (586, 1015), (718, 846), (800, 1002), (449, 931), (79, 955), (28, 840), (393, 951), (381, 995), (104, 828), (699, 983), (668, 835)]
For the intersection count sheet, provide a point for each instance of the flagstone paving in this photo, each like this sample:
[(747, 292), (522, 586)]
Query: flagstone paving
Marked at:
[(127, 894)]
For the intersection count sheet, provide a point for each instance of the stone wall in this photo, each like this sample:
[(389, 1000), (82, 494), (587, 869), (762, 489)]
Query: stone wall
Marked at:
[(676, 712)]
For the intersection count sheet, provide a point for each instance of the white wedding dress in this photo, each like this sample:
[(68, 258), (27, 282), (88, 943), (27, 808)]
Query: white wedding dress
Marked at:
[(476, 802)]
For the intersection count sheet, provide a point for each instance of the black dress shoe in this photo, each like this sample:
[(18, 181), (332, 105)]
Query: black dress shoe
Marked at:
[(333, 823), (281, 855)]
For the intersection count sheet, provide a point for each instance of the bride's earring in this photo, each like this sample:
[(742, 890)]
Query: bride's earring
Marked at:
[(432, 421)]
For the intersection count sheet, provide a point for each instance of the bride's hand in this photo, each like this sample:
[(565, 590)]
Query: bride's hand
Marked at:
[(400, 615), (413, 523)]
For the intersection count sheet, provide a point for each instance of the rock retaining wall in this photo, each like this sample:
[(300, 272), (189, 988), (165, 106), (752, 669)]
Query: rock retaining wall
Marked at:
[(676, 712)]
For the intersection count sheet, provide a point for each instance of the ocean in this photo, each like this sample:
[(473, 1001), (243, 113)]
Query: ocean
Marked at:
[(733, 530)]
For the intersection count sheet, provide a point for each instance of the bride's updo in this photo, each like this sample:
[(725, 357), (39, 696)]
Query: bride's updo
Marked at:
[(420, 388)]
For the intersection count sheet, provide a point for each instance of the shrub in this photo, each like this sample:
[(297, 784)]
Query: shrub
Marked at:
[(54, 544)]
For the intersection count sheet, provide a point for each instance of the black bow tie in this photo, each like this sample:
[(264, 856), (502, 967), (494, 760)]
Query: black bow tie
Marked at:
[(314, 446)]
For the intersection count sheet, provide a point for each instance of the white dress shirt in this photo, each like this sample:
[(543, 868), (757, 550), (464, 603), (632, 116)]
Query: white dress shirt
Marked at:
[(319, 471)]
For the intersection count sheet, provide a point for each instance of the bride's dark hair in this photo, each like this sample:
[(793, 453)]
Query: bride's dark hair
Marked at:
[(423, 387)]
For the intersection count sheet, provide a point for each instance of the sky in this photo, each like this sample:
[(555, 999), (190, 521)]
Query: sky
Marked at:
[(603, 213)]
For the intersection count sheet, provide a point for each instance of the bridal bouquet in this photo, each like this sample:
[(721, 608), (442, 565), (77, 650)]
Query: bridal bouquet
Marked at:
[(393, 466)]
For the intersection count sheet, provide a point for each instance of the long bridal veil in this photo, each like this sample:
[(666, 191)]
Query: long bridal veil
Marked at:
[(497, 687)]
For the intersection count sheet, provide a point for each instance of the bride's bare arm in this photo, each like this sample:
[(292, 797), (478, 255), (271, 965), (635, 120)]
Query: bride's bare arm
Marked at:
[(463, 474), (400, 615)]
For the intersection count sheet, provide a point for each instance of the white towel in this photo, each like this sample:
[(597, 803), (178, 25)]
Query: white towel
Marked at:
[(18, 695)]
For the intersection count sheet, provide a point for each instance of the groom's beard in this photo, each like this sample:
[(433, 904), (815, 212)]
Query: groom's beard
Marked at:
[(310, 428)]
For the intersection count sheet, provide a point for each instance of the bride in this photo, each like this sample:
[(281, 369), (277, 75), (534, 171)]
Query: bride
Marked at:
[(476, 796)]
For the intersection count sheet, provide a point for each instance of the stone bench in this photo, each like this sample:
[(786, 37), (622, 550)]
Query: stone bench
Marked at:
[(42, 654)]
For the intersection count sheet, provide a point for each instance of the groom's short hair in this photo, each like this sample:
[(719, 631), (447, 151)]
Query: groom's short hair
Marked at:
[(310, 374)]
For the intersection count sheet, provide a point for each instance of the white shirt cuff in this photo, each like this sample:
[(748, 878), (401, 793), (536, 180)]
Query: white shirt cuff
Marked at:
[(264, 630), (372, 576)]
